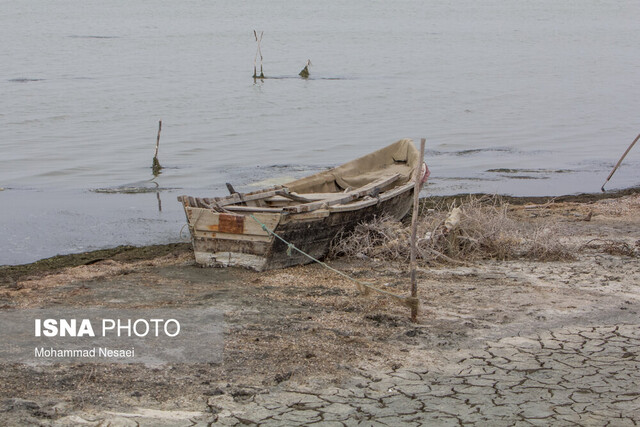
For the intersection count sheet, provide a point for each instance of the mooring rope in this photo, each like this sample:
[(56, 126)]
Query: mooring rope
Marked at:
[(362, 286)]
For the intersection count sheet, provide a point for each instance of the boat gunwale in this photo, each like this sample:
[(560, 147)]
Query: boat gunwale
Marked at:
[(354, 205)]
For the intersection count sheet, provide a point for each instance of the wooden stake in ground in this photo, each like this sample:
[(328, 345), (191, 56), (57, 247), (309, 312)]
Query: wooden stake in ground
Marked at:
[(620, 161), (156, 164), (414, 229)]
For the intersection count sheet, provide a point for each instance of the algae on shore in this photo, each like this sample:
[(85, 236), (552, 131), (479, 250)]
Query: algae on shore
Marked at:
[(9, 273)]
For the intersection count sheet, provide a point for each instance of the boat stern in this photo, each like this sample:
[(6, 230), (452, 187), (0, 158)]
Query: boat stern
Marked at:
[(222, 239)]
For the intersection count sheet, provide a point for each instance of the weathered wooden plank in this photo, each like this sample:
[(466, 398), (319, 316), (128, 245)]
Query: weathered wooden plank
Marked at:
[(277, 199), (308, 216), (395, 191), (321, 196), (241, 197), (205, 220), (369, 189), (233, 224), (355, 205), (202, 219), (206, 244), (230, 259), (308, 198), (251, 209), (293, 196), (269, 219), (372, 201), (228, 236)]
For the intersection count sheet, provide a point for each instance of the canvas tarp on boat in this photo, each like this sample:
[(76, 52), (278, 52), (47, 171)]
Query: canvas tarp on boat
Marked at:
[(399, 158)]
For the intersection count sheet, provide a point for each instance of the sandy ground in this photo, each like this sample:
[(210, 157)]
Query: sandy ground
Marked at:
[(497, 342)]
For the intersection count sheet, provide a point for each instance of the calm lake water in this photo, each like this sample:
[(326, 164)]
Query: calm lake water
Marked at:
[(519, 97)]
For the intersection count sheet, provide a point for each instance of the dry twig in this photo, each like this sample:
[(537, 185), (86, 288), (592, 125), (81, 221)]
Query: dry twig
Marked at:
[(479, 228)]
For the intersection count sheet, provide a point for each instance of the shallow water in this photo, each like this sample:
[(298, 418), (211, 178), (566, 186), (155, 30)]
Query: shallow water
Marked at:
[(529, 98)]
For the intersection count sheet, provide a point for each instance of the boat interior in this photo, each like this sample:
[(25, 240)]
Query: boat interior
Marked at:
[(381, 174)]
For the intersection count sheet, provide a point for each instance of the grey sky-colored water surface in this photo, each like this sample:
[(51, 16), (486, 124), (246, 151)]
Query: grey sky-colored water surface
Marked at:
[(520, 97)]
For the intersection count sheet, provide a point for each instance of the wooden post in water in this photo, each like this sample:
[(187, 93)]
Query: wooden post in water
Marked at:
[(258, 52), (156, 164), (414, 231), (305, 71)]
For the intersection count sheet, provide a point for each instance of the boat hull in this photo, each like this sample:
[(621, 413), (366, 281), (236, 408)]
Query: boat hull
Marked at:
[(259, 250), (260, 229), (314, 237)]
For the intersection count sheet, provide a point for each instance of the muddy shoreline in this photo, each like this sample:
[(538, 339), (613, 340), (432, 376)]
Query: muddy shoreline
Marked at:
[(137, 253), (497, 342), (539, 200)]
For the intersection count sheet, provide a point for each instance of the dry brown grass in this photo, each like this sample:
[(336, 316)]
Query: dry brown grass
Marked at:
[(613, 247), (483, 230), (619, 207)]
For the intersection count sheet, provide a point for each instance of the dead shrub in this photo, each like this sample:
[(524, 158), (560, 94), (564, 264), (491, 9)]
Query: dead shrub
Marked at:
[(623, 206), (613, 247), (480, 228)]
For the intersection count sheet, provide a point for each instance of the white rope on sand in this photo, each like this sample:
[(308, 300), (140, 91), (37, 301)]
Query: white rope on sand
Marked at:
[(363, 287)]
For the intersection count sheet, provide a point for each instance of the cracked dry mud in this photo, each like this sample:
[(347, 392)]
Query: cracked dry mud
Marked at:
[(498, 343), (566, 376)]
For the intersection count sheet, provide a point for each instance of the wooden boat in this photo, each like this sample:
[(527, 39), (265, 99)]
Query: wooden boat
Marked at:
[(308, 212)]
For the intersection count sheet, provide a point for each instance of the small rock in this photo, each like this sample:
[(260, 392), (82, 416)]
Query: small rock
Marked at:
[(282, 377), (241, 395), (16, 404), (216, 392), (60, 408)]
